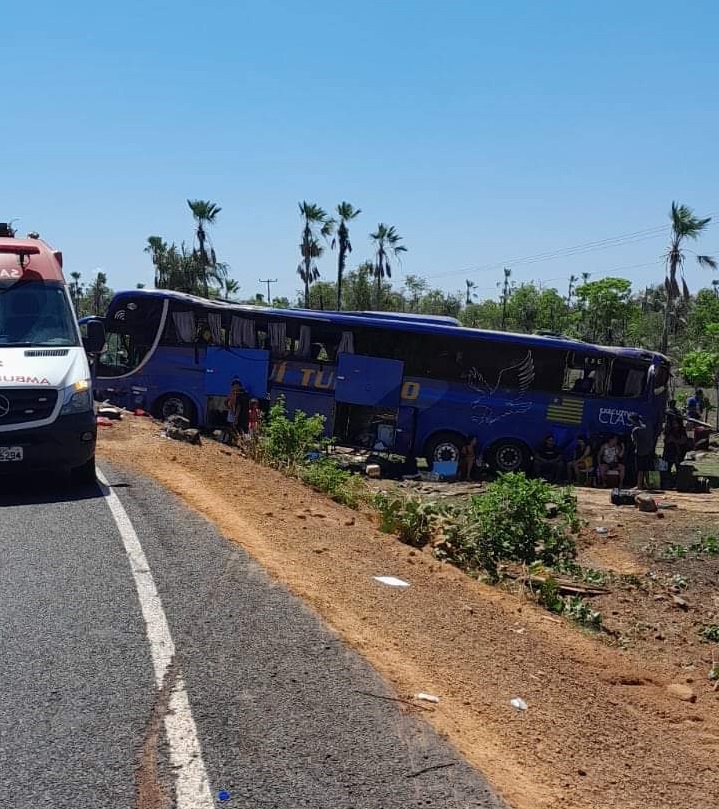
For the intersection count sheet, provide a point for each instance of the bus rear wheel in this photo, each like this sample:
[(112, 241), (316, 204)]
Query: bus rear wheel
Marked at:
[(176, 404), (445, 446), (508, 455)]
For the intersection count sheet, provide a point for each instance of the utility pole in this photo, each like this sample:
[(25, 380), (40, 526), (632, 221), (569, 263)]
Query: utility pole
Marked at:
[(505, 296), (268, 281)]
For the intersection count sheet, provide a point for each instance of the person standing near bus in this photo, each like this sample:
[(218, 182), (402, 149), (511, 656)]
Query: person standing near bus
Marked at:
[(234, 405), (696, 405), (643, 443), (467, 458)]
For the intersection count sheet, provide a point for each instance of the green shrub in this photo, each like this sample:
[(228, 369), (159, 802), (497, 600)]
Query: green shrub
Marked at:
[(710, 632), (343, 486), (574, 607), (548, 596), (413, 520), (509, 522), (285, 443)]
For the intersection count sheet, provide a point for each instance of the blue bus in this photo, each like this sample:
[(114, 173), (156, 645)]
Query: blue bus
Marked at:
[(417, 385)]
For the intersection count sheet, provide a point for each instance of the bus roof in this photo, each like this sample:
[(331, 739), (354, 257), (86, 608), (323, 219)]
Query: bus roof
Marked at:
[(29, 259), (427, 324)]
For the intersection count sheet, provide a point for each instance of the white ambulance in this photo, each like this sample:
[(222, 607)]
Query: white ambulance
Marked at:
[(47, 417)]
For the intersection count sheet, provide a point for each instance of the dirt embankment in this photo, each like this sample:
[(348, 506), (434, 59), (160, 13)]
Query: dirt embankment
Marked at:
[(601, 729)]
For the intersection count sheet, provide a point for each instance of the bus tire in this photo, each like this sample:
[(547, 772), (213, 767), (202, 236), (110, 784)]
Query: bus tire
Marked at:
[(446, 446), (85, 474), (176, 404), (508, 455)]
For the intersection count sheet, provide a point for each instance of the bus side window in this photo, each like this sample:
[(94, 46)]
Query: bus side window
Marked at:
[(627, 379), (577, 375)]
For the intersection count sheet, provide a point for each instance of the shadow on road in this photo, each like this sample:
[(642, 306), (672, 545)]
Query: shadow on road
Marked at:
[(26, 490)]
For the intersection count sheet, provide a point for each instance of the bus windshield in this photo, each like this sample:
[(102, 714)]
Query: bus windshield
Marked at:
[(36, 313)]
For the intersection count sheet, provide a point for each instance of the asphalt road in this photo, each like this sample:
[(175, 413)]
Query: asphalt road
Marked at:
[(277, 712)]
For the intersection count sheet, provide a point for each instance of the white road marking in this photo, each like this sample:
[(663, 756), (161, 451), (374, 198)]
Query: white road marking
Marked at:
[(192, 786)]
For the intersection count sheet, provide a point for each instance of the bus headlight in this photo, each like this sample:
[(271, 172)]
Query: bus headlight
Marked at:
[(77, 398)]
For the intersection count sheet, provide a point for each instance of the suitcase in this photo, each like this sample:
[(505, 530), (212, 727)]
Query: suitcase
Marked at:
[(622, 497)]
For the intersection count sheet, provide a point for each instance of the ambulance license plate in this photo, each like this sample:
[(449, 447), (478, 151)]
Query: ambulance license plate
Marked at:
[(11, 454)]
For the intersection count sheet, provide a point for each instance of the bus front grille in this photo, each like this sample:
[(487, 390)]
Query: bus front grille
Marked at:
[(21, 405)]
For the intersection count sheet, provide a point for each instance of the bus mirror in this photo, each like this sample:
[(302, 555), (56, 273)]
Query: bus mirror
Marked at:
[(94, 341)]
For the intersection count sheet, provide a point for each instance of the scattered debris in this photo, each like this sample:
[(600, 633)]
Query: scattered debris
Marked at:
[(601, 529), (682, 692), (373, 470), (110, 412), (223, 795), (395, 699), (666, 504), (178, 428), (680, 602), (645, 502), (391, 581), (103, 421), (519, 704), (433, 767), (427, 697)]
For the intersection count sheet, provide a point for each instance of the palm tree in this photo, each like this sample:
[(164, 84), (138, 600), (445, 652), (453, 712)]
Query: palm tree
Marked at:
[(470, 286), (229, 287), (316, 223), (98, 293), (307, 268), (75, 288), (157, 247), (387, 243), (204, 213), (685, 226), (346, 212)]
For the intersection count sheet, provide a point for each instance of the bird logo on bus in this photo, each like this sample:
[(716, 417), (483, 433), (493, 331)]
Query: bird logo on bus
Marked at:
[(516, 378)]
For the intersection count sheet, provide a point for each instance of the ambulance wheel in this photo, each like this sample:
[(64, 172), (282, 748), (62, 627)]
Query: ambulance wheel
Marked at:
[(176, 404), (84, 474)]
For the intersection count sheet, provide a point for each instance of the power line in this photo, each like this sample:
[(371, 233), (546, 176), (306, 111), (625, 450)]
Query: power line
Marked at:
[(567, 252)]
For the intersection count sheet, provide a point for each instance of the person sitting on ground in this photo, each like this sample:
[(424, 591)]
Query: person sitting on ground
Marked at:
[(548, 462), (467, 458), (643, 442), (676, 444), (610, 458), (581, 461)]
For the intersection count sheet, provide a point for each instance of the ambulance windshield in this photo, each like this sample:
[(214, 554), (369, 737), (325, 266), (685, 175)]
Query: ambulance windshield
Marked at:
[(35, 313)]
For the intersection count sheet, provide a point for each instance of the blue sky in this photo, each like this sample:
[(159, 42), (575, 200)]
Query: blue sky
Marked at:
[(485, 132)]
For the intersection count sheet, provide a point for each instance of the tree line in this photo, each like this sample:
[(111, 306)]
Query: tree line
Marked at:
[(663, 316)]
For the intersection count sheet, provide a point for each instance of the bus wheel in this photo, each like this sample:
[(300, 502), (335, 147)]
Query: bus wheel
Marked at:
[(176, 404), (444, 447), (508, 455)]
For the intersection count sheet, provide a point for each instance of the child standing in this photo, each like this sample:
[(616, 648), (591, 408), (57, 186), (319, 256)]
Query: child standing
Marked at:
[(254, 417), (233, 403)]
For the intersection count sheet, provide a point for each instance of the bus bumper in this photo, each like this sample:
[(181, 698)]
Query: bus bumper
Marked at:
[(67, 443)]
